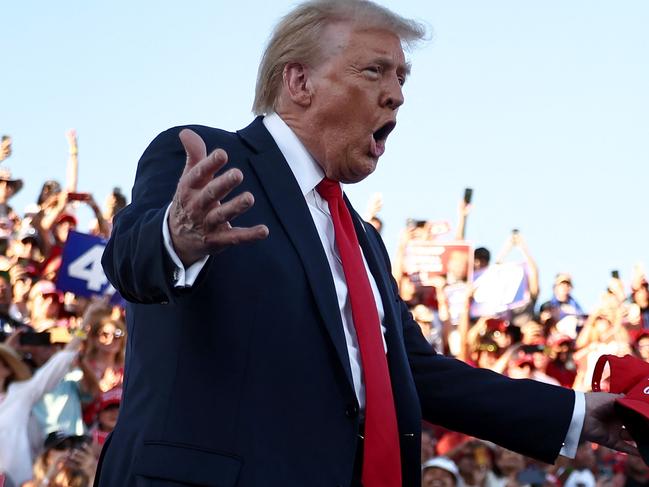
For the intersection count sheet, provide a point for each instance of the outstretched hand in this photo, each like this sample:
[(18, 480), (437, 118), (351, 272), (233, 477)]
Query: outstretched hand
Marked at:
[(199, 223), (603, 426)]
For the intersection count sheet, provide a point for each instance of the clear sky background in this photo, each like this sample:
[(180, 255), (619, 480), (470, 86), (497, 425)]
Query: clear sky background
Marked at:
[(541, 106)]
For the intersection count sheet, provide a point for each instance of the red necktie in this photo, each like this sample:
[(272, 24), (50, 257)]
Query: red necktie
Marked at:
[(381, 457)]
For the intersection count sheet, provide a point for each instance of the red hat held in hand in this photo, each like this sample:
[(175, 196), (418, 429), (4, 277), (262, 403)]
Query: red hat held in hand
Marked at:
[(629, 376)]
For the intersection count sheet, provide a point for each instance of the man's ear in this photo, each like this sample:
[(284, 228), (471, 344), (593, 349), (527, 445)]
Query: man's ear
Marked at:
[(297, 84)]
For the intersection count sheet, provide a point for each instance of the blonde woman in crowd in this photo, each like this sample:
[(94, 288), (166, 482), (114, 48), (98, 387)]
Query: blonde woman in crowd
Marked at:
[(603, 333)]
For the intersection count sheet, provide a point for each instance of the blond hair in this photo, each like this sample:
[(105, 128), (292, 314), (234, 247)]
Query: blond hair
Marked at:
[(298, 38)]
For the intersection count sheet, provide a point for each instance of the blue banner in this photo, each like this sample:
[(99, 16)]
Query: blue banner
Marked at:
[(81, 271)]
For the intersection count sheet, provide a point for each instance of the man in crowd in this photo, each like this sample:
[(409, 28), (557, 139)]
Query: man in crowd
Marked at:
[(563, 299), (268, 343)]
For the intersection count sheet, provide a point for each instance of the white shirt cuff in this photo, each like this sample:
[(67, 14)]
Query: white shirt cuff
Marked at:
[(571, 442), (182, 277)]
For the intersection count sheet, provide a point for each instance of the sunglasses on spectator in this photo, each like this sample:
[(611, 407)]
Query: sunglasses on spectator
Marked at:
[(117, 334), (66, 444)]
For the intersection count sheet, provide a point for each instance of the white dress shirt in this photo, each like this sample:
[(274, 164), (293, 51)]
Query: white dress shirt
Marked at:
[(308, 174)]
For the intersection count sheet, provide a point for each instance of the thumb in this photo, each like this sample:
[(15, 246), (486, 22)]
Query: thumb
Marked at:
[(194, 148)]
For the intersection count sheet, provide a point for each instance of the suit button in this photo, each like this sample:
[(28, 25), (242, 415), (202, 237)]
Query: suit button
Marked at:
[(351, 411)]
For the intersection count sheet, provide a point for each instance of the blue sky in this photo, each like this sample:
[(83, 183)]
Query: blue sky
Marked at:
[(541, 107)]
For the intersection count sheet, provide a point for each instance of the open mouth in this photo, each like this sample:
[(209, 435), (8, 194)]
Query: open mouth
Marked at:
[(377, 144), (382, 133)]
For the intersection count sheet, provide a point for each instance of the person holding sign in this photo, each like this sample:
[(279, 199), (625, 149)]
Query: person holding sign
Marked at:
[(268, 345)]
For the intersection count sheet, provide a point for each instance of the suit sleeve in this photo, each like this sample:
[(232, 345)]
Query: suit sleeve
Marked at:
[(525, 416), (135, 260)]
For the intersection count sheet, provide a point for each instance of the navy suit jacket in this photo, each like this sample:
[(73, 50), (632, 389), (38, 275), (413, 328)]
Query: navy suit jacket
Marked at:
[(244, 379)]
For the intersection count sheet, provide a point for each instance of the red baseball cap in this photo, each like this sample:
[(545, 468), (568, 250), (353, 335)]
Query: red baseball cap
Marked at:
[(629, 376), (110, 398)]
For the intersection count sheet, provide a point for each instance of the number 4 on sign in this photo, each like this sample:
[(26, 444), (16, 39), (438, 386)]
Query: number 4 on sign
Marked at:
[(87, 267)]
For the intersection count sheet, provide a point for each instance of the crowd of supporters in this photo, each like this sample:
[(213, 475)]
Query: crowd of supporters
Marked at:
[(556, 342), (62, 354)]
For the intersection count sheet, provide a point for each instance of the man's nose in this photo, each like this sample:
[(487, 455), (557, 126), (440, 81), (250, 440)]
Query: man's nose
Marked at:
[(393, 96)]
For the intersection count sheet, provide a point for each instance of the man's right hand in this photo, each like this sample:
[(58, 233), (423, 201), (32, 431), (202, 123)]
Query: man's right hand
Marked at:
[(199, 223)]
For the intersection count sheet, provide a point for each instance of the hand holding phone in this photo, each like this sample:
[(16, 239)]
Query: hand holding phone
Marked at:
[(78, 196), (468, 195)]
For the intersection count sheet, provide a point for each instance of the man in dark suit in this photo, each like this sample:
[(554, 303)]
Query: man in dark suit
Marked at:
[(268, 345)]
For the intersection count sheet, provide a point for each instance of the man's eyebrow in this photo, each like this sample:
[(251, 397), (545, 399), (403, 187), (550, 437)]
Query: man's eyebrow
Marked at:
[(402, 69)]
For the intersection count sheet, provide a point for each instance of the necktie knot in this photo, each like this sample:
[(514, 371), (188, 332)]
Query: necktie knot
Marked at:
[(329, 190)]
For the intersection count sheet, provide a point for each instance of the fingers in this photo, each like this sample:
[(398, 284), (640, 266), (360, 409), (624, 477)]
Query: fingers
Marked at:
[(201, 173), (194, 147), (237, 235), (217, 189), (228, 210)]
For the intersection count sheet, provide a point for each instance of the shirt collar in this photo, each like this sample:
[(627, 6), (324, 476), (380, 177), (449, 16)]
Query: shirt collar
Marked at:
[(306, 170)]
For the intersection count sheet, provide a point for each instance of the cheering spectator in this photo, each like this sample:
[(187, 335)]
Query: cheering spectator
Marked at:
[(521, 315), (540, 361), (45, 302), (507, 468), (47, 197), (103, 223), (603, 333), (562, 367), (563, 299), (107, 412), (9, 220), (641, 345), (481, 258), (440, 472), (21, 284), (521, 367), (428, 444), (639, 309), (473, 463), (60, 408), (431, 330), (26, 247), (105, 351), (19, 393), (67, 461)]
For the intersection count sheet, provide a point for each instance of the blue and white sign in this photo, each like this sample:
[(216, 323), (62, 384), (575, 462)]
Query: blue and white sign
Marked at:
[(499, 288), (81, 271)]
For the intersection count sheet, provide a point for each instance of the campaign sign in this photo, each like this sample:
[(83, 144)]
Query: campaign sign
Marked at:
[(500, 288), (81, 271), (429, 258)]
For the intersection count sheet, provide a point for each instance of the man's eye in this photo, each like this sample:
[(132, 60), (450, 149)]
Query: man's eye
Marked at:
[(373, 70)]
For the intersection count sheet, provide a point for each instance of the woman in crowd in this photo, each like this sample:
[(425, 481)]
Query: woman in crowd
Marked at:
[(603, 333), (18, 394), (67, 461), (105, 351)]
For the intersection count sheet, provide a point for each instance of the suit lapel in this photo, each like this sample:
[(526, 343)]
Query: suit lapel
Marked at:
[(293, 213)]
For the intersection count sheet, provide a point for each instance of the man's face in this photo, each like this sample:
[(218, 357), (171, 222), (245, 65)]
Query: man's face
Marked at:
[(641, 297), (436, 477), (562, 291), (355, 94), (107, 418)]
